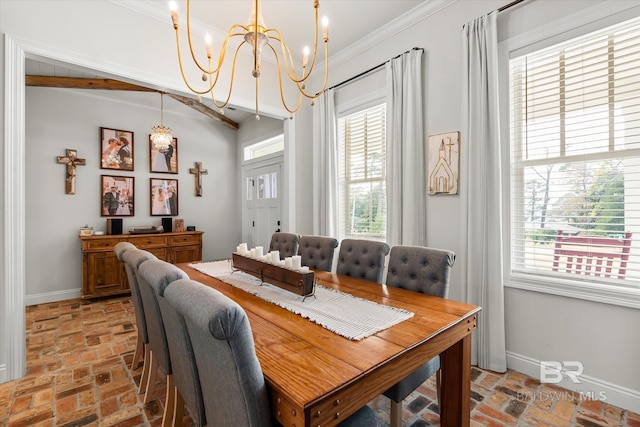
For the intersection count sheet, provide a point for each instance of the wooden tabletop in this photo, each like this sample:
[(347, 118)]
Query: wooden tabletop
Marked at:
[(318, 378)]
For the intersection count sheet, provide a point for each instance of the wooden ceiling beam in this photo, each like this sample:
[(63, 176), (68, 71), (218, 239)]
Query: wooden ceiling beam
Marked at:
[(110, 84)]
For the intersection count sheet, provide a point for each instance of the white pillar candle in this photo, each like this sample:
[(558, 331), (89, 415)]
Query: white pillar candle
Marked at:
[(296, 262), (259, 251), (275, 257), (304, 269), (288, 262), (252, 253), (281, 263), (242, 248)]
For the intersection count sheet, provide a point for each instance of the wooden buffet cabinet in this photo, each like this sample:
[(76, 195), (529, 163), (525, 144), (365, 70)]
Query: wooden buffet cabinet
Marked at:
[(102, 273)]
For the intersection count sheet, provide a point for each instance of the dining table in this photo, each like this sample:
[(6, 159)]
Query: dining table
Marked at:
[(316, 377)]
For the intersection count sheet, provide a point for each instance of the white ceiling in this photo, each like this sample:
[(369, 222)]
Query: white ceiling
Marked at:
[(351, 23), (349, 20)]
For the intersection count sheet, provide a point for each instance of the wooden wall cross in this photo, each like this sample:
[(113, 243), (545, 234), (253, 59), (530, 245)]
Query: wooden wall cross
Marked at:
[(71, 160), (198, 172)]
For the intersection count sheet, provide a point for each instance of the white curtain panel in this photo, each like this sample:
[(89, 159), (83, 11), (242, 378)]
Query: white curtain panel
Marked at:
[(325, 166), (405, 151), (484, 274)]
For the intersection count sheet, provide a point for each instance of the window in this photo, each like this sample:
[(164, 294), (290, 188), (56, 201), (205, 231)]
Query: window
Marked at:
[(575, 156), (363, 212), (264, 148)]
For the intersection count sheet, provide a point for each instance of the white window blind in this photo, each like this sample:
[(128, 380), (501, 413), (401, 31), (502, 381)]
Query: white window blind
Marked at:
[(363, 208), (575, 158)]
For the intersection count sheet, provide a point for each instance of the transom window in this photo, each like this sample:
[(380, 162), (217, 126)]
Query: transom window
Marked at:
[(264, 148)]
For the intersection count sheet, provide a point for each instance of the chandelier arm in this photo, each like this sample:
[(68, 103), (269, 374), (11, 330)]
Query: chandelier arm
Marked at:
[(184, 77), (233, 72), (223, 49), (287, 58), (324, 84), (284, 102), (286, 52), (193, 55), (316, 5)]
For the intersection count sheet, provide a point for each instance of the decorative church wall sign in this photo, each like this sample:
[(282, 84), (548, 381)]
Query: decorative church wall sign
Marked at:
[(443, 160)]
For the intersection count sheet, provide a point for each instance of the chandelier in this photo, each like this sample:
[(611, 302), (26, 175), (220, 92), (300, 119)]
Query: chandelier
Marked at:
[(257, 36), (160, 135)]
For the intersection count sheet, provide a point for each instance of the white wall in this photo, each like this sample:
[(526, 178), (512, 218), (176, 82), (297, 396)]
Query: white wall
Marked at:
[(57, 119)]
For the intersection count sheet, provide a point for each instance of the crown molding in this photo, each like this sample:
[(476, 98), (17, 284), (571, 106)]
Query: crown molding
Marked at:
[(393, 27)]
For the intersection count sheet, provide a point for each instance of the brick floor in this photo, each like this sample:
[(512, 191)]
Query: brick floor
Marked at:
[(79, 353)]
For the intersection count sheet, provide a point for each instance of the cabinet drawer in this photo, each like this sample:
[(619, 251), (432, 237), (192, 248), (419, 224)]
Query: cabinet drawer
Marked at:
[(144, 242), (186, 239), (101, 244)]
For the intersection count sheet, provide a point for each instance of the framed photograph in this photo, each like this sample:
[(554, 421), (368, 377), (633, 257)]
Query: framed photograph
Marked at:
[(116, 149), (443, 162), (164, 196), (117, 195), (164, 160)]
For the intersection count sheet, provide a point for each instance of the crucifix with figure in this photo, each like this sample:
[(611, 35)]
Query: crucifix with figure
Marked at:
[(198, 172), (71, 160)]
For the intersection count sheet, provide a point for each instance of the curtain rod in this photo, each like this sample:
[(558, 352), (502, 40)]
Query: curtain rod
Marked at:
[(373, 68), (507, 6)]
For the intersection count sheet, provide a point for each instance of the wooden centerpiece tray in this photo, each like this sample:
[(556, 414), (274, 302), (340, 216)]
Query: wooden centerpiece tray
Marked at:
[(291, 280)]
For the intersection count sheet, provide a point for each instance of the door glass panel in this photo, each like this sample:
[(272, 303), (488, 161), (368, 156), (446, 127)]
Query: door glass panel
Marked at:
[(249, 188), (274, 185), (261, 194)]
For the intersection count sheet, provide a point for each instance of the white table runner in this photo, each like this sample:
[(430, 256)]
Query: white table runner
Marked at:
[(351, 317)]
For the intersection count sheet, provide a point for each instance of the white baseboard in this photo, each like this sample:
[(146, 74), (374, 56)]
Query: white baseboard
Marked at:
[(3, 374), (592, 388), (47, 297)]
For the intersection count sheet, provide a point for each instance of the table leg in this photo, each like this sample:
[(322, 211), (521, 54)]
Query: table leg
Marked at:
[(455, 401)]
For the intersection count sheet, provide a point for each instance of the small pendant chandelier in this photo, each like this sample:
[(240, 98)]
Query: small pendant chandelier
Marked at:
[(160, 135)]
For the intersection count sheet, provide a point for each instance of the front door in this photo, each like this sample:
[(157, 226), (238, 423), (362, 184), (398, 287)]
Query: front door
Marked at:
[(262, 207)]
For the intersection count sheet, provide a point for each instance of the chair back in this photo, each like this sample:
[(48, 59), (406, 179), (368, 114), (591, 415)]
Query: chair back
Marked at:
[(233, 385), (160, 273), (121, 247), (183, 363), (317, 251), (363, 259), (596, 256), (132, 259), (286, 243), (420, 269)]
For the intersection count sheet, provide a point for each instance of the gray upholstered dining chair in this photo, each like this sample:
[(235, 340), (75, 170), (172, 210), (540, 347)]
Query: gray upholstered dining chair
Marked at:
[(132, 258), (286, 243), (186, 388), (317, 251), (119, 249), (160, 273), (425, 270), (363, 259), (233, 386)]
